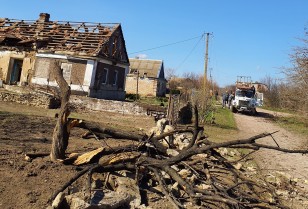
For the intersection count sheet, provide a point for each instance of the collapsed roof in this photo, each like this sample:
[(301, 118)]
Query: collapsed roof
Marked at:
[(75, 38)]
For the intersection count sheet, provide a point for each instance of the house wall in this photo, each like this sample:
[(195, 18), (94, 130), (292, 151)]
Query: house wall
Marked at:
[(101, 105), (6, 65), (84, 76), (161, 87), (32, 99), (81, 74), (104, 87), (76, 72), (146, 86), (27, 69)]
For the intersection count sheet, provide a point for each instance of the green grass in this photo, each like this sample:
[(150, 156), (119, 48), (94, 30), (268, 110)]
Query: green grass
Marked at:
[(276, 109), (293, 122), (224, 127), (153, 100), (224, 118), (296, 124), (147, 100)]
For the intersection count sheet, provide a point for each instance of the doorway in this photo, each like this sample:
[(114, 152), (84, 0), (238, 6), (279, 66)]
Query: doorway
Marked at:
[(16, 72)]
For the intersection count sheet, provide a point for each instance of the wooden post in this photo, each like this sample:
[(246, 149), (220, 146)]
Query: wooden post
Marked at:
[(206, 61), (137, 87)]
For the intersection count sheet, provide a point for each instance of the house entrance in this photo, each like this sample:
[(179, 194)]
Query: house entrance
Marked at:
[(16, 72)]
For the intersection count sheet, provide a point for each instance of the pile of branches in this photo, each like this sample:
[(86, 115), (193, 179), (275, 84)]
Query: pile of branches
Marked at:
[(196, 175)]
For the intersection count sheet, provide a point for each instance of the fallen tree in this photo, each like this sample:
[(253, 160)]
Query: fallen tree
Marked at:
[(196, 175)]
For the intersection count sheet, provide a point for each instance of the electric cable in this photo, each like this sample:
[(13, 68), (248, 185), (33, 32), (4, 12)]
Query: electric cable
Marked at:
[(191, 51), (178, 42)]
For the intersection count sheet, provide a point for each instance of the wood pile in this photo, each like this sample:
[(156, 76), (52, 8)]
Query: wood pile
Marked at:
[(182, 166)]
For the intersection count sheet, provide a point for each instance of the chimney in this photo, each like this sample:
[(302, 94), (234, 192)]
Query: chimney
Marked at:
[(44, 17)]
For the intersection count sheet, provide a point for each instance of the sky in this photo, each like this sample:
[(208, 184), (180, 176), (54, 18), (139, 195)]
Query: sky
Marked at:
[(248, 37)]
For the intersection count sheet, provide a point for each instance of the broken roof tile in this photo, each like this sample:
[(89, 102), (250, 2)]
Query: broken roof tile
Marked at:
[(68, 37)]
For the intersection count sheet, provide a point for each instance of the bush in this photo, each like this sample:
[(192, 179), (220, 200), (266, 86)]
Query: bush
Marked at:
[(162, 99), (132, 96), (174, 91)]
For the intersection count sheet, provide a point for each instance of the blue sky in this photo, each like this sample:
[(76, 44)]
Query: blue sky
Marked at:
[(250, 37)]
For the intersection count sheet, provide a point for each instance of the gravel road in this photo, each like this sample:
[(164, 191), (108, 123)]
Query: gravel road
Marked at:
[(271, 161)]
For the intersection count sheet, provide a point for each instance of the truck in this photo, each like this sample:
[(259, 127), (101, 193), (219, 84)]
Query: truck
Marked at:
[(246, 99)]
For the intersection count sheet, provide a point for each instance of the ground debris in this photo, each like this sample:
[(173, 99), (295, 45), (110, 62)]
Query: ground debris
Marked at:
[(183, 166), (87, 157)]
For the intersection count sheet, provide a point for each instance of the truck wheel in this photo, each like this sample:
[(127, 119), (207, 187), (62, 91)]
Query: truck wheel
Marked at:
[(253, 111), (233, 109)]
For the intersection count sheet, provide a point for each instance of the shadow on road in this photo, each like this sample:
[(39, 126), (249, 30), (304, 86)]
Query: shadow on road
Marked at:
[(259, 114), (264, 115)]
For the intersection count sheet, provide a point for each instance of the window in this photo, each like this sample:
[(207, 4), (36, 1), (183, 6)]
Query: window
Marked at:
[(67, 71), (105, 76), (244, 93), (16, 71), (115, 77)]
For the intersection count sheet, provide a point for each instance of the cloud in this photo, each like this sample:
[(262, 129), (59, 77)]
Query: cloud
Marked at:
[(142, 56)]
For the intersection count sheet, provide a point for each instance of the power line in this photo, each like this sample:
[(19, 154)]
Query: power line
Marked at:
[(178, 42), (191, 51)]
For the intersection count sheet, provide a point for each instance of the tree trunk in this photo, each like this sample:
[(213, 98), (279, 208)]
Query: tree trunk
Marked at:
[(61, 133)]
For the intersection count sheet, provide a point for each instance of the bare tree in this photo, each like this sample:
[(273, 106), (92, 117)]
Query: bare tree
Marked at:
[(273, 95), (170, 73), (297, 77), (61, 132)]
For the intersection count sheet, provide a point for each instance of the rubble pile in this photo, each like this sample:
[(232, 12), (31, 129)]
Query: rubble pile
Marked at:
[(33, 99), (180, 166)]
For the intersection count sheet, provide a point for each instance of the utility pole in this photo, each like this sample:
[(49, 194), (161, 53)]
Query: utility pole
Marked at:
[(211, 79), (206, 61), (137, 85)]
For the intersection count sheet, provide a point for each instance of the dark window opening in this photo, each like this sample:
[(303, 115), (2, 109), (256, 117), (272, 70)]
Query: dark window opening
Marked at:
[(115, 77), (16, 72), (105, 76)]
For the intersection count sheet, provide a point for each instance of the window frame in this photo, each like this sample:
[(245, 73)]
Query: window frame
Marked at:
[(115, 81), (106, 76)]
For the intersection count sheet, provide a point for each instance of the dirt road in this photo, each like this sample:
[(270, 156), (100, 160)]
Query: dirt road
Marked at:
[(271, 161)]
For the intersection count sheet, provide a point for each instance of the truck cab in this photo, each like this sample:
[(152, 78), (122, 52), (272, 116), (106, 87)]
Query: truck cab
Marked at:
[(245, 98)]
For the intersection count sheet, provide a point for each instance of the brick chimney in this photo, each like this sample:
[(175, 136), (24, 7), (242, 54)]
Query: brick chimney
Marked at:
[(44, 17)]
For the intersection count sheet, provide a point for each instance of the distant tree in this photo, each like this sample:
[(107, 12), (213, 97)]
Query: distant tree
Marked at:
[(185, 84), (174, 83), (273, 94), (230, 88), (170, 73), (192, 80), (190, 86), (297, 76)]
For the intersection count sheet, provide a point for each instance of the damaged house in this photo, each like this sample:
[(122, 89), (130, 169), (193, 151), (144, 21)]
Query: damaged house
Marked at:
[(147, 77), (92, 55)]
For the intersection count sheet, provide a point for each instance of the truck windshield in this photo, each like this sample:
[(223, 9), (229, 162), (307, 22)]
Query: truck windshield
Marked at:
[(244, 93)]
